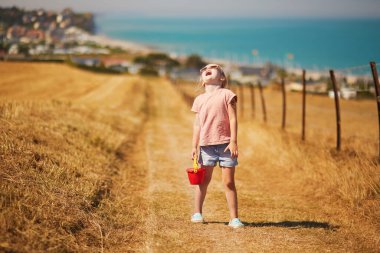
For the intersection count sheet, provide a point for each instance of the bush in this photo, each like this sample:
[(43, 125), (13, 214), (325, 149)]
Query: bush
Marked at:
[(141, 60), (148, 71), (23, 49), (154, 59)]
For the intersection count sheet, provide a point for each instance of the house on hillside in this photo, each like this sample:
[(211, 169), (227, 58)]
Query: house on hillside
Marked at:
[(345, 93), (119, 65), (55, 35), (81, 50), (252, 74), (39, 49), (34, 35), (186, 74), (89, 62), (311, 87), (15, 32), (13, 49), (348, 93), (346, 89), (75, 34)]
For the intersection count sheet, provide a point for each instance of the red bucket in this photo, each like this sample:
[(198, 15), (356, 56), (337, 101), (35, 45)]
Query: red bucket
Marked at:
[(196, 177)]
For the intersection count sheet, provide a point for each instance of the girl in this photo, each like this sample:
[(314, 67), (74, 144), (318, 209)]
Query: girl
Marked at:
[(215, 131)]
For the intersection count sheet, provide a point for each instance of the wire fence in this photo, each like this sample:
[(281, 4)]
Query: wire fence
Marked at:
[(360, 81), (342, 83)]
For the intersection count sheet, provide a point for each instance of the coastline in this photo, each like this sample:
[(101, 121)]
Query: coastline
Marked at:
[(134, 47), (138, 47), (178, 38)]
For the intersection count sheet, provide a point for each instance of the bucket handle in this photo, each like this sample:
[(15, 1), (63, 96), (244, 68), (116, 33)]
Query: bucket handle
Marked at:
[(195, 164)]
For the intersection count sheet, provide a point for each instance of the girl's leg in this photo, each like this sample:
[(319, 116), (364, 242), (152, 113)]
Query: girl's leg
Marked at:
[(200, 191), (228, 177)]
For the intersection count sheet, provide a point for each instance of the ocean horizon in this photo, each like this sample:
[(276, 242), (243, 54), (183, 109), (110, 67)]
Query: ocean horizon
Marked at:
[(311, 43)]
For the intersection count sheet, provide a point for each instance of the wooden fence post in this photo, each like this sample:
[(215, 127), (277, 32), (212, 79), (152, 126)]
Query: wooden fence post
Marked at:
[(241, 94), (283, 102), (337, 109), (252, 91), (263, 102), (303, 103), (233, 89), (377, 89)]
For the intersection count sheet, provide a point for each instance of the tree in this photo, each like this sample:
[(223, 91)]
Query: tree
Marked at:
[(148, 71), (153, 61), (194, 61), (282, 72), (23, 49)]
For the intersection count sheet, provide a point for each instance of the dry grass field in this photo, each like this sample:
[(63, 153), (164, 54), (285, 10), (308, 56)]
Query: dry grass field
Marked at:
[(96, 163)]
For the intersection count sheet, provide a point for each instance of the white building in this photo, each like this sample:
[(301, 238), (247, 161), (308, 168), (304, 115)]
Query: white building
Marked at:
[(13, 49), (345, 93), (76, 34), (311, 87), (249, 74)]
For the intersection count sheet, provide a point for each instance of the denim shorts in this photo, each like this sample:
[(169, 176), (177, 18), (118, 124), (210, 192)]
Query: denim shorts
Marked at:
[(210, 155)]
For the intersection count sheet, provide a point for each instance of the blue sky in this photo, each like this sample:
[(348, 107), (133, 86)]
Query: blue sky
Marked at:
[(215, 8)]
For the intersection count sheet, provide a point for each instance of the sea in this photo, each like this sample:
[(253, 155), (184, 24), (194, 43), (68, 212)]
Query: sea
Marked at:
[(311, 43)]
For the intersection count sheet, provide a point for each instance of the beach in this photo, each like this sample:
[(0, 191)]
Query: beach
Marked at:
[(123, 44)]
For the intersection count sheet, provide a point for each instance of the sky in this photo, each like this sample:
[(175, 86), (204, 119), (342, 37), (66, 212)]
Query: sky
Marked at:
[(213, 8)]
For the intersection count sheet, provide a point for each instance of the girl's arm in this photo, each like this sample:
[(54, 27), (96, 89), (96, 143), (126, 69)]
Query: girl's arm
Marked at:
[(233, 147), (196, 131)]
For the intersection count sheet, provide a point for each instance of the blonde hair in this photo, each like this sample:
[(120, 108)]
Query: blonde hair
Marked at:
[(221, 72)]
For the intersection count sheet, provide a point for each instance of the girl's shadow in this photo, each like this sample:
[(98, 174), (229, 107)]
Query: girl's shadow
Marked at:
[(286, 224)]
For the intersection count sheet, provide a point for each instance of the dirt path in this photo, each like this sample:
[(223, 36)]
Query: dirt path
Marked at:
[(278, 217)]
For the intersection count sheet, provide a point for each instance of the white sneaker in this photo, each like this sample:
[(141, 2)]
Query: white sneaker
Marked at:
[(197, 218), (235, 223)]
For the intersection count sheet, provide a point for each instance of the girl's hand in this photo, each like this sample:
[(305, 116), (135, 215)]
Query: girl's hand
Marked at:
[(233, 148), (193, 153)]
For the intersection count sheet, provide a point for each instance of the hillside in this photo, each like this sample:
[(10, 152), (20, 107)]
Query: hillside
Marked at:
[(96, 163)]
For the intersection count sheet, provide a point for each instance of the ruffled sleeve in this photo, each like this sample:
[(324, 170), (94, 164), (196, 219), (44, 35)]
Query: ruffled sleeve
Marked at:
[(195, 107), (229, 96)]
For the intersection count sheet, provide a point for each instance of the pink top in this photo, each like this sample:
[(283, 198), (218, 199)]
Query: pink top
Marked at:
[(213, 116)]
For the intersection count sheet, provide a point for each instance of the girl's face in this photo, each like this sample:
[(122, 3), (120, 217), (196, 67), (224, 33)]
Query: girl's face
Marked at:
[(211, 74)]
